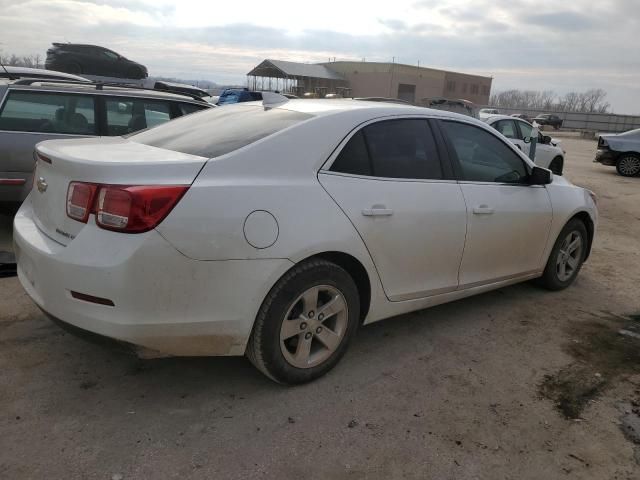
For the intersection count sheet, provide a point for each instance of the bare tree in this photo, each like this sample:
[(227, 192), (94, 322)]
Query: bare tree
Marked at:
[(591, 101)]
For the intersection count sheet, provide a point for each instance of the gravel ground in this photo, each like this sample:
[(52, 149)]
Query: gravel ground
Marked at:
[(475, 389)]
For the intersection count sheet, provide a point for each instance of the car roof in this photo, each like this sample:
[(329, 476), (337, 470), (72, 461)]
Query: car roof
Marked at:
[(322, 107), (98, 89), (37, 72), (495, 118)]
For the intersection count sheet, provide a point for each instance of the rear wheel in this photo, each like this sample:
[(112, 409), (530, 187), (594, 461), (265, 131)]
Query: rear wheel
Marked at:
[(567, 256), (306, 323), (628, 165)]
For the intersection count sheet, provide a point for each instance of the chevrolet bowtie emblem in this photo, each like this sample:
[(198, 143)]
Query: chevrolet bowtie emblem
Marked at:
[(42, 185)]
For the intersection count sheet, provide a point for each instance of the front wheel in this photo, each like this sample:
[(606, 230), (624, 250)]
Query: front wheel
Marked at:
[(628, 165), (566, 257), (306, 323), (556, 166)]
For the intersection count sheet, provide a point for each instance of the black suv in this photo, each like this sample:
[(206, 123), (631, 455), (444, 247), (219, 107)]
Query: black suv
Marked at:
[(549, 119), (92, 60)]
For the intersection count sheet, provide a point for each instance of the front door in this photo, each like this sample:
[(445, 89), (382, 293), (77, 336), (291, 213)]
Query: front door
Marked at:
[(407, 208), (508, 220)]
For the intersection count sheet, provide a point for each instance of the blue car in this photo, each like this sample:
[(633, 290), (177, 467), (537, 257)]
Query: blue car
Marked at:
[(237, 95)]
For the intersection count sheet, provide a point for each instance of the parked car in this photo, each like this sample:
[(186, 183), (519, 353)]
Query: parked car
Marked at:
[(238, 95), (14, 73), (549, 119), (621, 150), (82, 59), (548, 152), (522, 116), (488, 112), (278, 231), (464, 107), (32, 111)]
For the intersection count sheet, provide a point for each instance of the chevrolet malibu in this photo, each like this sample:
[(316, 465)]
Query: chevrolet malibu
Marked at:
[(277, 229)]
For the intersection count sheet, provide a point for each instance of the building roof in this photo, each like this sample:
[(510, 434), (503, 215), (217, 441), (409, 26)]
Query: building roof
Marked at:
[(283, 69)]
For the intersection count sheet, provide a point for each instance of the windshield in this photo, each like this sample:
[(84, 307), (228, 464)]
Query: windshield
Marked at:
[(218, 131)]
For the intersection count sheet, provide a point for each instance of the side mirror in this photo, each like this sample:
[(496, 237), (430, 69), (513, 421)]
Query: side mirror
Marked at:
[(546, 139), (540, 176)]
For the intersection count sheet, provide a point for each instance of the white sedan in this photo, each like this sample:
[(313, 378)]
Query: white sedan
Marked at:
[(275, 230), (519, 132)]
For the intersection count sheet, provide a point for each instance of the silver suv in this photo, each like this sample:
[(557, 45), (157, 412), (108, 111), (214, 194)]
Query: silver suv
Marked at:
[(33, 110)]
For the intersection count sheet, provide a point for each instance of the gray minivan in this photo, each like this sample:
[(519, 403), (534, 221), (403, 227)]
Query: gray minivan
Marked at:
[(35, 110)]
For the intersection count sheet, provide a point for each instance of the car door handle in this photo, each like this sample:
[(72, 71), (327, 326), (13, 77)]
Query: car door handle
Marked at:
[(377, 211), (482, 210)]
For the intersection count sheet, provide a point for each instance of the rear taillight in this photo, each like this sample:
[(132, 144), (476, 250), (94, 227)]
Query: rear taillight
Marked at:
[(80, 200), (128, 209)]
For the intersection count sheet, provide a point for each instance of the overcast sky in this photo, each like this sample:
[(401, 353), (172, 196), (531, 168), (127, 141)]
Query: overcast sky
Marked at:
[(526, 44)]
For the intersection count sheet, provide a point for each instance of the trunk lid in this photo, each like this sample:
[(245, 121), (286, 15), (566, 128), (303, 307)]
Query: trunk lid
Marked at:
[(103, 161)]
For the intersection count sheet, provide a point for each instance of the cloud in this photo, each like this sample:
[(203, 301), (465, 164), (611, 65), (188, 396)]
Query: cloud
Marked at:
[(562, 20), (559, 50)]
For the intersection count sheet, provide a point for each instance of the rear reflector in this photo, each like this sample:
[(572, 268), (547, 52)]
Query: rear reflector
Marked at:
[(12, 181), (80, 200), (122, 208), (90, 298)]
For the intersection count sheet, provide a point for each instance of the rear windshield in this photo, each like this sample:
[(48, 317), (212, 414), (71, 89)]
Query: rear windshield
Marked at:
[(218, 131)]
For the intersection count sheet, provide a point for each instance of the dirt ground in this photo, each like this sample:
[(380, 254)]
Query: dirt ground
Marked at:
[(519, 384)]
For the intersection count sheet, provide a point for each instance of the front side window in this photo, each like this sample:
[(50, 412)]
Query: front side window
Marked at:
[(391, 149), (506, 128), (128, 115), (483, 157), (525, 131), (44, 112)]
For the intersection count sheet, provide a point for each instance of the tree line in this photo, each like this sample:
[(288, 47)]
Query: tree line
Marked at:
[(30, 61), (590, 101)]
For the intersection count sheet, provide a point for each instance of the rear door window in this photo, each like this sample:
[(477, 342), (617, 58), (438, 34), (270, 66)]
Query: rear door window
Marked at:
[(48, 112), (392, 149), (187, 108), (129, 115), (506, 128)]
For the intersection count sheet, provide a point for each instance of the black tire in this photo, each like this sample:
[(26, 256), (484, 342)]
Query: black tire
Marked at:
[(551, 278), (628, 165), (264, 349), (556, 166)]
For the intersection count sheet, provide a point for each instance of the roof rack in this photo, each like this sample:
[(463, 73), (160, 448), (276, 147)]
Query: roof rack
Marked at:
[(100, 85)]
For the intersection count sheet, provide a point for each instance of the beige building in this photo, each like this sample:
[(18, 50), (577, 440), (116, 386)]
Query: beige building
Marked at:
[(372, 79), (411, 83)]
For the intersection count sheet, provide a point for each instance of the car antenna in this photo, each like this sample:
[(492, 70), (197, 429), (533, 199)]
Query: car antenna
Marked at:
[(11, 77)]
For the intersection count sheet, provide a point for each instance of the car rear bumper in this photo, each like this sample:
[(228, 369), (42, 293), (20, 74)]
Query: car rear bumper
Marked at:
[(160, 300), (606, 157)]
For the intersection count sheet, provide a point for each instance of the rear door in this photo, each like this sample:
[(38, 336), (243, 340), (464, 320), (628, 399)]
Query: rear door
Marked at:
[(508, 220), (389, 179), (31, 116)]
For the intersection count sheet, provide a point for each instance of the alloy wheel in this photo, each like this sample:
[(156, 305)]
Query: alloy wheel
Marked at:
[(569, 256), (314, 326), (629, 166)]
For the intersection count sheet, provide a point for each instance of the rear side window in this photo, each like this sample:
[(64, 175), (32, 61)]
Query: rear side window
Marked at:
[(506, 128), (42, 112), (483, 157), (392, 149), (218, 131), (187, 108), (128, 115)]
